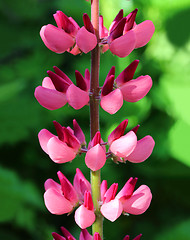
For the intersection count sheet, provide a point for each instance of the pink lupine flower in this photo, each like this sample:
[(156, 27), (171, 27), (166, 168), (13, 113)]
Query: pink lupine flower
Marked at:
[(64, 147), (124, 34), (126, 200), (126, 147), (60, 198), (67, 235), (95, 157), (124, 87), (78, 96), (68, 36), (81, 184), (58, 89), (84, 215)]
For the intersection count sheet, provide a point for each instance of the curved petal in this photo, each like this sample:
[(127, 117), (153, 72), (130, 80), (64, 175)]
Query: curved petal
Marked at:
[(136, 89), (56, 203), (44, 136), (139, 202), (112, 102), (76, 97), (112, 210), (50, 98), (59, 152), (50, 183), (47, 83), (143, 32), (95, 158), (123, 45), (125, 145), (142, 150), (86, 40), (56, 39), (83, 217)]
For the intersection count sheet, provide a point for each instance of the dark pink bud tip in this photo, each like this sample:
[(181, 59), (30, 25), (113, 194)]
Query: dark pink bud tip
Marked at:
[(130, 20), (110, 193), (59, 130), (135, 129), (87, 23), (128, 73), (96, 139), (80, 81), (118, 131), (56, 236), (78, 132), (126, 237), (138, 237), (62, 75), (118, 30), (118, 17), (97, 236), (108, 86), (60, 84), (88, 203), (67, 234)]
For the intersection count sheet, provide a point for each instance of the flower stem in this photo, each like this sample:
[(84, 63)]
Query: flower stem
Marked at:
[(94, 116)]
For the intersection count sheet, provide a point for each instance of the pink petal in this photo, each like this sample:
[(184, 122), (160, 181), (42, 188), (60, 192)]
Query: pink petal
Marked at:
[(110, 193), (56, 39), (95, 158), (123, 45), (83, 217), (76, 97), (118, 131), (59, 152), (85, 235), (44, 136), (125, 145), (97, 236), (112, 102), (56, 236), (143, 150), (50, 98), (127, 190), (67, 234), (50, 183), (86, 40), (138, 237), (75, 51), (143, 32), (112, 210), (102, 30), (56, 203), (136, 89), (78, 132), (47, 83), (139, 202), (103, 188)]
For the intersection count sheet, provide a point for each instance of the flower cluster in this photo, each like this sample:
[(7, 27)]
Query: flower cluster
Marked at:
[(69, 142), (58, 89), (64, 197)]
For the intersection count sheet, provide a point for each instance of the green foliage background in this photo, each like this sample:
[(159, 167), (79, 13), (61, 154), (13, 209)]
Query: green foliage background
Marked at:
[(163, 113)]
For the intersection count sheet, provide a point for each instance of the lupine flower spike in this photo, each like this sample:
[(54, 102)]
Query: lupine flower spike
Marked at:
[(68, 36)]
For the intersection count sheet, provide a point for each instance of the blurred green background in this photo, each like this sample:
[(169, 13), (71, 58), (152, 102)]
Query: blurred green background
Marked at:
[(163, 113)]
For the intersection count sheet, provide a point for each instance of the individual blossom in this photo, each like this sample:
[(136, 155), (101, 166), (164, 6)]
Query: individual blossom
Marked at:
[(57, 89), (127, 200), (68, 36), (65, 146), (124, 87), (84, 235), (127, 147), (64, 197), (96, 155), (124, 35)]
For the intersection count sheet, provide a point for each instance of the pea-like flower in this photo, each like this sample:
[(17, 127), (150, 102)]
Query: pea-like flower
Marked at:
[(68, 36), (124, 87), (124, 35), (64, 147)]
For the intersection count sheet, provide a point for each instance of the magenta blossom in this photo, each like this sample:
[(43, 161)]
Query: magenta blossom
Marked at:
[(63, 198), (96, 155), (126, 147), (64, 147), (84, 235), (68, 36), (58, 89), (124, 34), (127, 200), (124, 87)]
